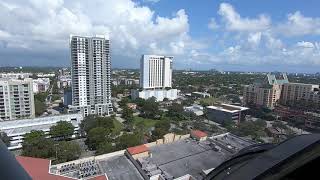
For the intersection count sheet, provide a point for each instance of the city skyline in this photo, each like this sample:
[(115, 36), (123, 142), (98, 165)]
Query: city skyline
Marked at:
[(224, 35)]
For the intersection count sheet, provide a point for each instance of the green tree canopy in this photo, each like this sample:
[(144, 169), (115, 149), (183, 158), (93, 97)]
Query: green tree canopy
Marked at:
[(150, 108), (105, 147), (96, 136), (161, 128), (129, 140), (62, 129), (67, 151), (92, 121), (37, 145), (127, 113)]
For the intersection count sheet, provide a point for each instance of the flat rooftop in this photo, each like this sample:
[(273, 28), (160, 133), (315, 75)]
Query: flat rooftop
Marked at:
[(186, 157), (228, 108), (119, 168)]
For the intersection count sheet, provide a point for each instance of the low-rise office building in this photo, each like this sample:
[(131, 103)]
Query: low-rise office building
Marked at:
[(18, 128), (226, 112)]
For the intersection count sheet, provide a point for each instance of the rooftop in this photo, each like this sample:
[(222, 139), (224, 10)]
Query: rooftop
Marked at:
[(38, 168), (228, 108), (199, 133), (119, 168), (186, 157), (137, 149)]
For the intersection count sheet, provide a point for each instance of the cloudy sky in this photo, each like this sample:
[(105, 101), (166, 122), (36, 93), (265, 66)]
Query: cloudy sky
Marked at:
[(246, 35)]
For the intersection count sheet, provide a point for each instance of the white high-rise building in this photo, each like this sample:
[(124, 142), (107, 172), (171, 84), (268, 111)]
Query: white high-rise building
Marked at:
[(156, 72), (155, 78), (91, 71), (16, 99)]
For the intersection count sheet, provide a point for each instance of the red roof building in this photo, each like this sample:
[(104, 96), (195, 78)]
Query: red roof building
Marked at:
[(38, 168), (198, 134), (137, 149)]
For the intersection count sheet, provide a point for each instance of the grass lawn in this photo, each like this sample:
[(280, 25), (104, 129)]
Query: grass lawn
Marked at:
[(147, 122)]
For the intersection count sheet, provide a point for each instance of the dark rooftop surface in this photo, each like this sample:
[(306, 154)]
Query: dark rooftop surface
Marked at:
[(186, 157), (119, 168)]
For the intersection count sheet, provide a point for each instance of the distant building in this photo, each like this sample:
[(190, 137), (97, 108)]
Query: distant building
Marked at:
[(200, 94), (156, 72), (226, 112), (293, 92), (67, 97), (64, 81), (275, 90), (159, 94), (41, 85), (196, 109), (15, 75), (155, 78), (16, 99), (91, 86), (18, 128), (265, 93)]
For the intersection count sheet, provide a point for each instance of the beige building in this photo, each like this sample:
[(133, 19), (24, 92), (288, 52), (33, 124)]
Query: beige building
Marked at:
[(266, 93), (16, 99), (292, 92)]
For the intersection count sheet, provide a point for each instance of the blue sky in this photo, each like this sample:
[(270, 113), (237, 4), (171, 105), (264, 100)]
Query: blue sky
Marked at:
[(246, 35)]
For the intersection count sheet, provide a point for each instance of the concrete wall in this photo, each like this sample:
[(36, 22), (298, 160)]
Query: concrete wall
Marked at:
[(141, 155), (185, 136)]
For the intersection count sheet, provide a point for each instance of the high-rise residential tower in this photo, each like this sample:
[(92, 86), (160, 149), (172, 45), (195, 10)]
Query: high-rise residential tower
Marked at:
[(16, 99), (155, 78), (91, 71)]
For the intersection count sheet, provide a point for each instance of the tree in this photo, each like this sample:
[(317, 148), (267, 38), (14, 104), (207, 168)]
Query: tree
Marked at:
[(161, 128), (67, 151), (150, 108), (105, 147), (4, 137), (92, 121), (39, 107), (62, 129), (96, 136), (255, 129), (208, 101), (139, 102), (175, 111), (37, 145), (127, 113), (129, 140)]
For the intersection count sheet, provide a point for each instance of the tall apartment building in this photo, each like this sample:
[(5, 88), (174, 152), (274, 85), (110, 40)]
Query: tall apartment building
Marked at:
[(155, 78), (292, 92), (156, 72), (16, 99), (91, 71), (266, 93)]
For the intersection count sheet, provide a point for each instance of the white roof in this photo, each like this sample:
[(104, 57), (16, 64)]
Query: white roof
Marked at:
[(220, 108)]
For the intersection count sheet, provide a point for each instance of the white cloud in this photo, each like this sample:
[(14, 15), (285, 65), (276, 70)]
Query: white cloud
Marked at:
[(254, 38), (305, 44), (151, 1), (235, 22), (134, 29), (298, 25), (212, 24)]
